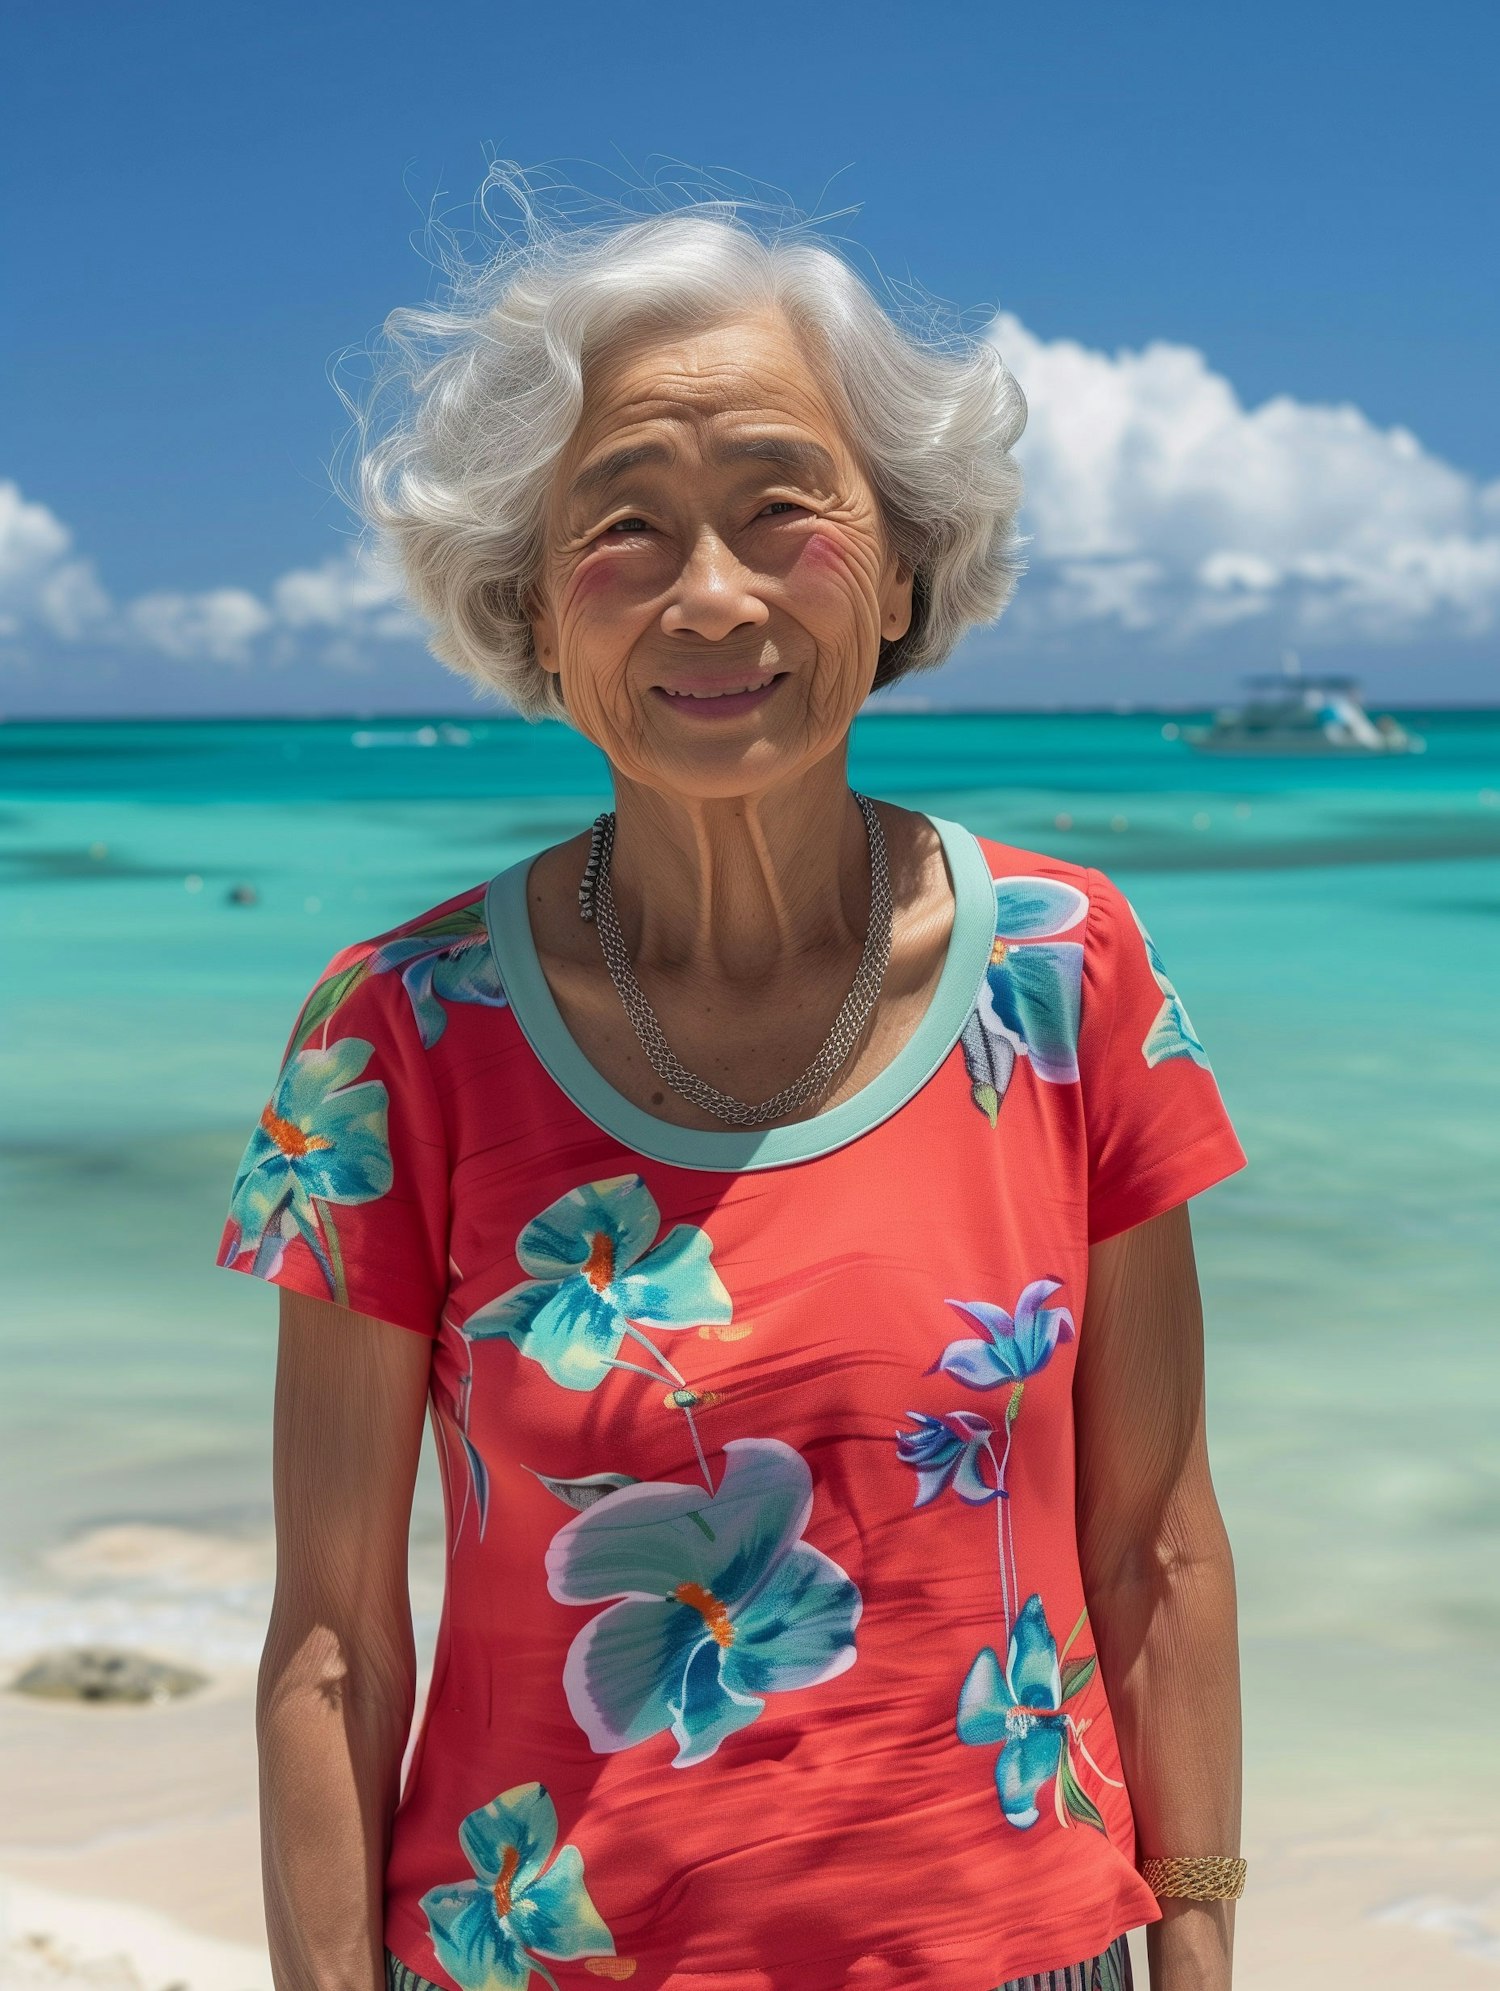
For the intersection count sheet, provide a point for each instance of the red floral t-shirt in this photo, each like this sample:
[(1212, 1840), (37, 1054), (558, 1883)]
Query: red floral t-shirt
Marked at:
[(764, 1662)]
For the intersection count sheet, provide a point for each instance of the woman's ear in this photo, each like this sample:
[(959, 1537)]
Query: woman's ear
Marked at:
[(543, 634), (896, 601)]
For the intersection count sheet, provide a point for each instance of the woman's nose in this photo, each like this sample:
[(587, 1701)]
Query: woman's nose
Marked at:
[(714, 596)]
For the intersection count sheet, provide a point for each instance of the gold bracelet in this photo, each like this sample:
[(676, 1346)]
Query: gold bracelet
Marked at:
[(1210, 1879)]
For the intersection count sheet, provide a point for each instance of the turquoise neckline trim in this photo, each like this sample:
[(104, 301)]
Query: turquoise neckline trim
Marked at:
[(509, 921)]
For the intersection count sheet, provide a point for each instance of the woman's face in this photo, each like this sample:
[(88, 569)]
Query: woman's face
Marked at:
[(717, 577)]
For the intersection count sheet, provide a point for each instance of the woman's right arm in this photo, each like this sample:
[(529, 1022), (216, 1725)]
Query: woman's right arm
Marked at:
[(338, 1675)]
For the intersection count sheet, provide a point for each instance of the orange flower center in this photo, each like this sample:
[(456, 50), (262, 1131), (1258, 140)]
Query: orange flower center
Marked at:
[(289, 1137), (599, 1266), (998, 953), (510, 1859), (1021, 1718), (713, 1613)]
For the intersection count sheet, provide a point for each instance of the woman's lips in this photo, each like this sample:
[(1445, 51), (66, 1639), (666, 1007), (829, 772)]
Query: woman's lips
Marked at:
[(718, 698)]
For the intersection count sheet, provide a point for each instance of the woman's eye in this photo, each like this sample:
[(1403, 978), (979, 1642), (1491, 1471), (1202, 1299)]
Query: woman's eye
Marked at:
[(779, 505), (628, 525)]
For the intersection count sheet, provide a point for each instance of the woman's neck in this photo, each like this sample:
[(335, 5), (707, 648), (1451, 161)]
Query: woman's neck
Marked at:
[(736, 888)]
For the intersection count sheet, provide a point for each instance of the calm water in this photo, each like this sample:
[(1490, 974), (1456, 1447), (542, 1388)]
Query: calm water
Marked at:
[(1335, 930)]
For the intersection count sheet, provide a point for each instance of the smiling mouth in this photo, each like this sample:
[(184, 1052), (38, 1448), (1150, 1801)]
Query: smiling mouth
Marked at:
[(710, 694)]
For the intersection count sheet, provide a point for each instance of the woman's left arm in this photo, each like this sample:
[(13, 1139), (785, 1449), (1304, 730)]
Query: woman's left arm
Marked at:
[(1158, 1575)]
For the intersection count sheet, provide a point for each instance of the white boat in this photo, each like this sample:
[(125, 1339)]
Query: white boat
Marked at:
[(1287, 713)]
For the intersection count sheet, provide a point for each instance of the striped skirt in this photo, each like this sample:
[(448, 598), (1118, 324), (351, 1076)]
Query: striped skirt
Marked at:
[(1109, 1971)]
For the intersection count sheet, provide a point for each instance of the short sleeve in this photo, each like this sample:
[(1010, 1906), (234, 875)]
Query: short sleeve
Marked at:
[(343, 1190), (1156, 1126)]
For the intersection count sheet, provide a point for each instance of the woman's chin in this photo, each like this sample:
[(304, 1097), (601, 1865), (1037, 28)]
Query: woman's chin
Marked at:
[(717, 759)]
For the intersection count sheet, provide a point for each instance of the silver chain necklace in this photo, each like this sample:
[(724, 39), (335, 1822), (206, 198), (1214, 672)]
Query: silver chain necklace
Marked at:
[(596, 902)]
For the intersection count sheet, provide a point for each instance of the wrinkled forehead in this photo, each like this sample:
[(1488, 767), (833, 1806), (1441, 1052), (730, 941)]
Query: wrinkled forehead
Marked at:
[(710, 388)]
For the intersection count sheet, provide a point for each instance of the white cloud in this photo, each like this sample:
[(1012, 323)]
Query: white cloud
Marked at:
[(41, 579), (31, 538), (219, 624), (1157, 501), (47, 590), (352, 592)]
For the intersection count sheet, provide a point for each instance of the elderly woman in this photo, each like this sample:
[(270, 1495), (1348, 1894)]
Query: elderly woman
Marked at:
[(778, 1199)]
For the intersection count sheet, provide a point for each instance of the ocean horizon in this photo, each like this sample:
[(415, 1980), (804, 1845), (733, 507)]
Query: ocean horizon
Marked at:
[(171, 888), (897, 704)]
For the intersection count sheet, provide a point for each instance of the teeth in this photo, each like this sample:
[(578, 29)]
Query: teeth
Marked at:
[(729, 690)]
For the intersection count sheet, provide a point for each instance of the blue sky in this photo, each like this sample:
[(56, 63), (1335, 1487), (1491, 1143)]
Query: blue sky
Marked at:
[(1244, 256)]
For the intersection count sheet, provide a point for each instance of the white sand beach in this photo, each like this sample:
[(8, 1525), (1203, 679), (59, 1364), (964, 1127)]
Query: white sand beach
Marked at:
[(129, 1859), (129, 1853)]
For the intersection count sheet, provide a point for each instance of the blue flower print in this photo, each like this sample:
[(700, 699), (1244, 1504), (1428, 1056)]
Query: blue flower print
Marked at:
[(1171, 1034), (1023, 1708), (945, 1451), (322, 1139), (596, 1276), (490, 1931), (1015, 1345), (1030, 1001), (722, 1603), (443, 966)]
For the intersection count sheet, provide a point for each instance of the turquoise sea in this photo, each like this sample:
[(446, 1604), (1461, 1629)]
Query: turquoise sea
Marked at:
[(1335, 930)]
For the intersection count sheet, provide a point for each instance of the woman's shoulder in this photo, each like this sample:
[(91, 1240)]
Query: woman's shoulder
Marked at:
[(1040, 896), (459, 915), (1037, 885), (420, 966), (1009, 861)]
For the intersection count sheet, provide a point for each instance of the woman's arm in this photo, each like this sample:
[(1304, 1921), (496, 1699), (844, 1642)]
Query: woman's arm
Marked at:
[(338, 1676), (1158, 1574)]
